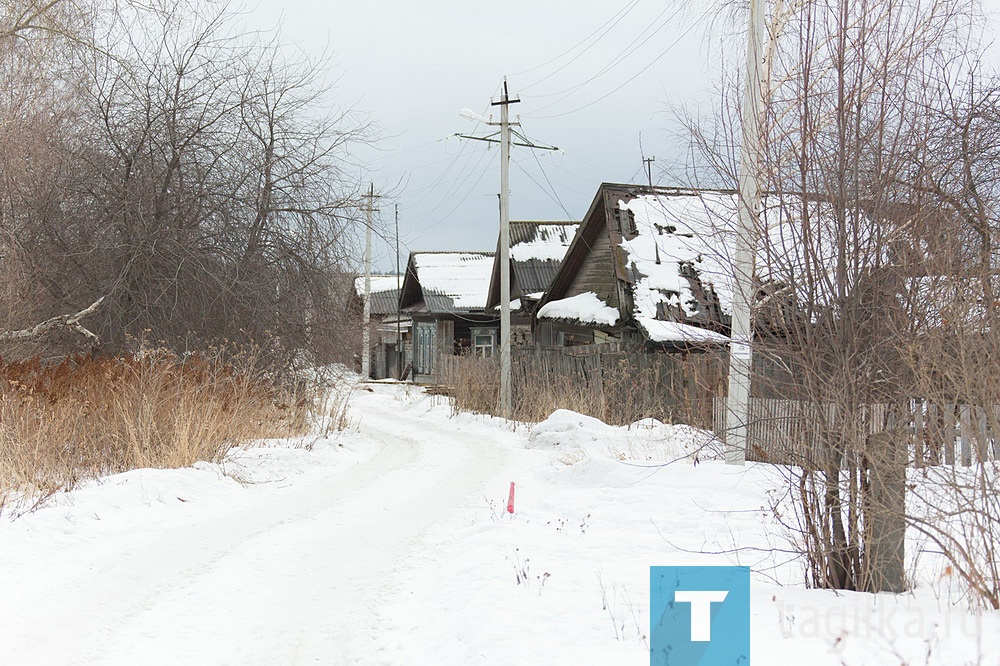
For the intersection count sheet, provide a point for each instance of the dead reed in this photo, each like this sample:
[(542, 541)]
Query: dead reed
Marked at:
[(86, 417)]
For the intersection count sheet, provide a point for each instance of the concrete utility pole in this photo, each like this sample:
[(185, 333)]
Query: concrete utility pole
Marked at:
[(400, 348), (366, 350), (738, 401), (503, 252)]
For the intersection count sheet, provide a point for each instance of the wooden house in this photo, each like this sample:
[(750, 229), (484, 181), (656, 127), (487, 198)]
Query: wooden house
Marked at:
[(391, 343), (444, 293), (536, 251), (647, 268)]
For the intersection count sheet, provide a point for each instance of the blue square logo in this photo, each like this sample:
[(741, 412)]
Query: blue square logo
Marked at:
[(699, 616)]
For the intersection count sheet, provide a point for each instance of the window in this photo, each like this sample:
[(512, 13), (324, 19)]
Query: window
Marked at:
[(625, 222), (484, 341)]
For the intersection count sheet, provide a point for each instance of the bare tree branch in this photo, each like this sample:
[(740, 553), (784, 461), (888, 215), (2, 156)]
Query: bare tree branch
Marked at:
[(66, 321)]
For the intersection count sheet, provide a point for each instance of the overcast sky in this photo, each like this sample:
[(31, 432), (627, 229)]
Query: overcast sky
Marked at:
[(591, 75)]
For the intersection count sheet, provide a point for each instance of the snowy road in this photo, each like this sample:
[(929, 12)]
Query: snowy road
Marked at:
[(289, 572), (390, 545)]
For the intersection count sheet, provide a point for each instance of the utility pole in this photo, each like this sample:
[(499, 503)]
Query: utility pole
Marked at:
[(400, 347), (738, 400), (366, 350), (503, 252), (648, 163)]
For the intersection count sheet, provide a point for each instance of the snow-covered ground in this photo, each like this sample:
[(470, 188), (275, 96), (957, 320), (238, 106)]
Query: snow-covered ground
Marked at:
[(390, 543)]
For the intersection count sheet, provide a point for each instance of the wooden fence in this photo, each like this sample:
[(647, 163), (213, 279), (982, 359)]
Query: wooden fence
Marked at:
[(618, 387), (796, 432)]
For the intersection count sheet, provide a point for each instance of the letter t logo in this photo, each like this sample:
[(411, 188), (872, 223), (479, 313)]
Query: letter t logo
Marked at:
[(701, 610)]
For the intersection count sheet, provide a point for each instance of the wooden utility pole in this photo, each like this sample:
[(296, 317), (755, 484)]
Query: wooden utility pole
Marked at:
[(738, 400), (648, 163), (503, 252)]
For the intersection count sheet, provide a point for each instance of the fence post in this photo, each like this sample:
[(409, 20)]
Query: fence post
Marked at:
[(934, 434), (981, 443), (966, 434), (949, 433), (918, 433)]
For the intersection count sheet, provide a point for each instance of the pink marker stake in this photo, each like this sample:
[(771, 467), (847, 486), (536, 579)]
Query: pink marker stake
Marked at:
[(510, 500)]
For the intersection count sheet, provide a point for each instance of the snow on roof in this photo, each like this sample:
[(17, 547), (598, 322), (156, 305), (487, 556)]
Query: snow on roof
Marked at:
[(586, 307), (674, 231), (548, 242), (378, 283), (462, 277), (674, 331), (682, 231)]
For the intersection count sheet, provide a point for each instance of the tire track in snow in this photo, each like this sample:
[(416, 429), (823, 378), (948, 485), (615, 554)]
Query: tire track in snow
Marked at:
[(302, 580)]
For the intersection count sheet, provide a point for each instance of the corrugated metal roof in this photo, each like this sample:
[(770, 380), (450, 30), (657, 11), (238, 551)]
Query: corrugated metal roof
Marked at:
[(536, 250), (384, 302), (522, 231), (534, 275), (384, 292)]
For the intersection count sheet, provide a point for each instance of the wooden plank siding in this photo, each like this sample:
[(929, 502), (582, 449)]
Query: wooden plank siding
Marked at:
[(596, 271)]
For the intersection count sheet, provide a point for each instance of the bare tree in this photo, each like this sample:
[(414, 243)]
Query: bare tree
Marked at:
[(876, 181), (198, 177)]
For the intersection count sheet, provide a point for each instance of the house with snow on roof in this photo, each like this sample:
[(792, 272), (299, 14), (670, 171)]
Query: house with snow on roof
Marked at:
[(647, 267), (536, 252), (390, 330), (444, 293)]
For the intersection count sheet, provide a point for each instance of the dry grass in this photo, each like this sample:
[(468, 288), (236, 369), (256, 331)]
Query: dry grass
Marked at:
[(619, 392), (86, 417)]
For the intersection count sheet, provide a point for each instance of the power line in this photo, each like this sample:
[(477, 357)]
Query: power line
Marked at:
[(623, 84), (606, 28), (441, 177), (393, 153), (551, 186), (459, 183), (463, 173), (456, 206), (418, 167), (635, 45), (544, 191)]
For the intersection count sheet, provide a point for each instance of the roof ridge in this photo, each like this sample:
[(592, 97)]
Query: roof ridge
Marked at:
[(483, 252), (553, 222)]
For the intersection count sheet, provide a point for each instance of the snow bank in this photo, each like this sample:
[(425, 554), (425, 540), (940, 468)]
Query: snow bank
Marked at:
[(578, 436)]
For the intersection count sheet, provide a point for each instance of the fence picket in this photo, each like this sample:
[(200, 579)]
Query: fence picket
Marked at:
[(691, 390), (965, 434)]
